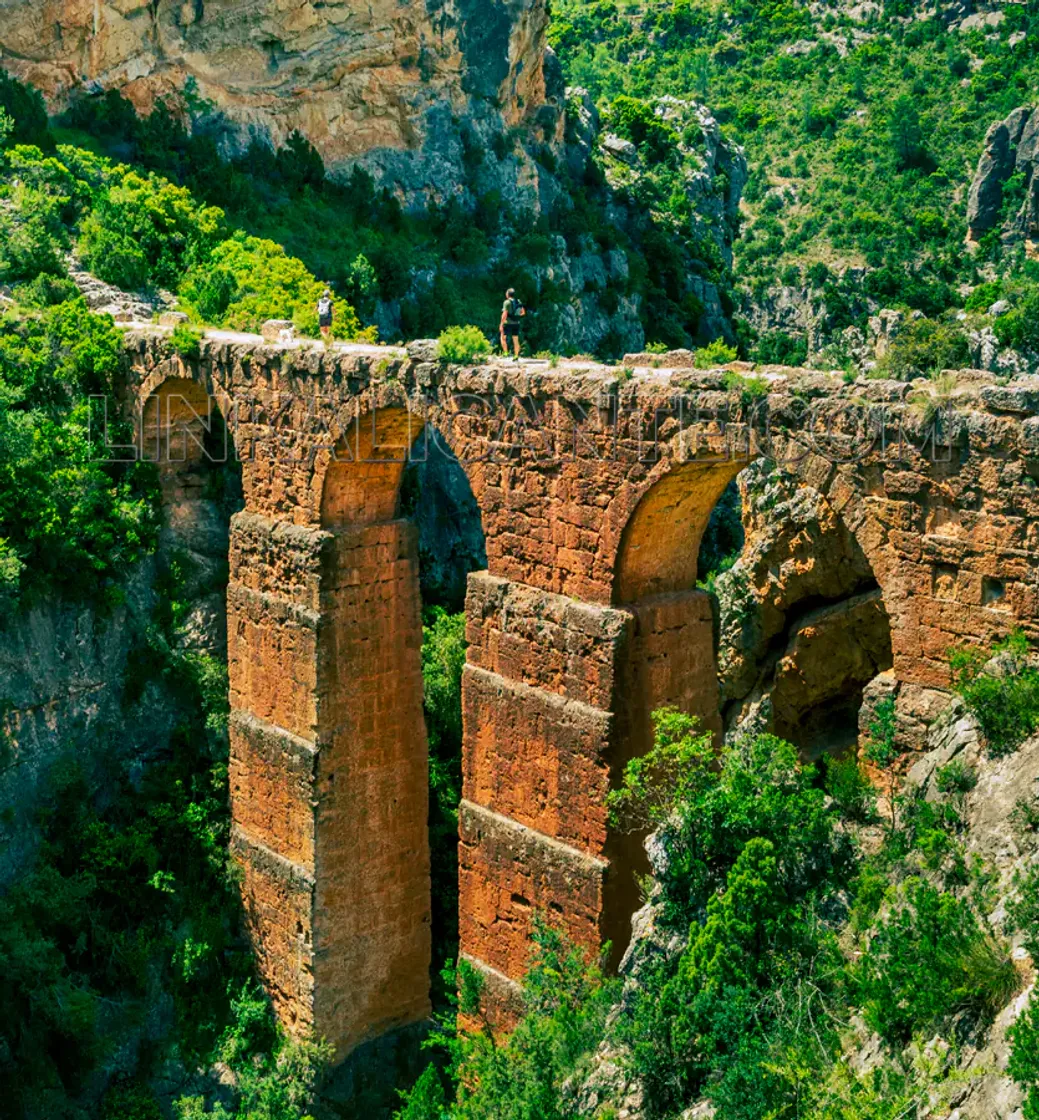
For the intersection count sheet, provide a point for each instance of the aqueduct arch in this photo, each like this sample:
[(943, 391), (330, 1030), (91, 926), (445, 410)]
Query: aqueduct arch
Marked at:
[(587, 618)]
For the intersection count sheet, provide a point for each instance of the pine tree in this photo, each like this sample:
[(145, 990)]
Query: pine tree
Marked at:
[(906, 134)]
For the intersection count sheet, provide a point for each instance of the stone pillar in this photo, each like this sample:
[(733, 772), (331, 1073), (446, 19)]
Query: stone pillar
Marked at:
[(329, 772), (557, 696), (373, 893)]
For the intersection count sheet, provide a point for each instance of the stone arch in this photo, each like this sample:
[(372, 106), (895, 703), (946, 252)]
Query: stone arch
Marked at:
[(669, 659), (816, 630), (183, 431), (660, 543), (182, 427)]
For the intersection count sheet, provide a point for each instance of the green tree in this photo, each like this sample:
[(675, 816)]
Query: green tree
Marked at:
[(905, 132)]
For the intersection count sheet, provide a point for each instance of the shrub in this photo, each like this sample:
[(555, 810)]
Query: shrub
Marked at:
[(956, 777), (463, 345), (143, 231), (1025, 814), (1019, 327), (718, 353), (929, 958), (46, 291), (1005, 705), (781, 349), (635, 120), (529, 1072), (925, 347), (752, 848), (1023, 908), (709, 812), (186, 341), (71, 519), (260, 281), (850, 789), (881, 747), (668, 776), (1023, 1065), (984, 296), (750, 388)]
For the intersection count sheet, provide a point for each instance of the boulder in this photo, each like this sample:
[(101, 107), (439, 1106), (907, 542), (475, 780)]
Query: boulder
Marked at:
[(619, 148), (986, 192), (278, 331)]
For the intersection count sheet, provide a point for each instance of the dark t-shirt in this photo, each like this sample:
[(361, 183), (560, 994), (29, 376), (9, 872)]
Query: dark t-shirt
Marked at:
[(511, 309)]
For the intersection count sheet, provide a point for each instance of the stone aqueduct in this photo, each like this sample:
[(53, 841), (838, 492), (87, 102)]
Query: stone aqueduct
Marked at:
[(594, 488)]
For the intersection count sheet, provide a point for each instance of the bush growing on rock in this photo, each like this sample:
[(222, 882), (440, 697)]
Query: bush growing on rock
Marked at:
[(186, 341), (1019, 327), (924, 347), (717, 353), (1005, 701), (1023, 1066), (463, 345), (929, 958)]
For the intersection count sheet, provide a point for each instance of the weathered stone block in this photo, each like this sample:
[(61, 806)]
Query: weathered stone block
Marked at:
[(507, 872), (537, 757), (278, 331)]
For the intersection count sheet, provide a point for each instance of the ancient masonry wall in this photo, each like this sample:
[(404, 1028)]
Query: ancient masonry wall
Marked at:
[(584, 624)]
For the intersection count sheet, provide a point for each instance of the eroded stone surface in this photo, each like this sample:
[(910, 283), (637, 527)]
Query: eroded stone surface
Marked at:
[(380, 79)]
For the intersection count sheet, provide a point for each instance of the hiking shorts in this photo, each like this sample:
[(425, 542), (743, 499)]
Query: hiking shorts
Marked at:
[(325, 320), (511, 330)]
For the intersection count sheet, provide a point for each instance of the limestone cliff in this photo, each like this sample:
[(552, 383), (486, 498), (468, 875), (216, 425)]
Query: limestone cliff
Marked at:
[(1011, 148), (385, 81)]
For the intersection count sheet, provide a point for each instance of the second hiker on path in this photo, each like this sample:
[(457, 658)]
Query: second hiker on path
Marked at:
[(511, 313), (325, 311)]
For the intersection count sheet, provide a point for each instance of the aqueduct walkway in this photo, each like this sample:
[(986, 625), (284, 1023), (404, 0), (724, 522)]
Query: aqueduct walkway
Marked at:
[(594, 487)]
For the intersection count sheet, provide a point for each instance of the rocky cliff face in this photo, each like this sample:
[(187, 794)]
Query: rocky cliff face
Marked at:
[(802, 625), (61, 667), (1007, 174), (383, 82)]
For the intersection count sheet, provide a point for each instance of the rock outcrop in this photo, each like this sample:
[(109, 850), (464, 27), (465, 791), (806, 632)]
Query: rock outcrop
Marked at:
[(1011, 148), (802, 625), (384, 83)]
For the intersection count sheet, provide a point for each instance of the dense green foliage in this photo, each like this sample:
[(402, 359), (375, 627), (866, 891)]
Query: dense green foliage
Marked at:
[(443, 659), (930, 957), (1005, 702), (753, 853), (1024, 1057), (790, 931), (861, 138), (446, 265), (530, 1075), (140, 232), (68, 518), (121, 950)]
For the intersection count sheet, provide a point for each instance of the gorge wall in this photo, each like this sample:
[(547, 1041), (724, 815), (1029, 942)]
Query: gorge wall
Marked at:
[(385, 82)]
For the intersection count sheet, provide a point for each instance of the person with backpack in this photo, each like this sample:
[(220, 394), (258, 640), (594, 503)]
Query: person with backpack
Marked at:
[(325, 312), (511, 313)]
